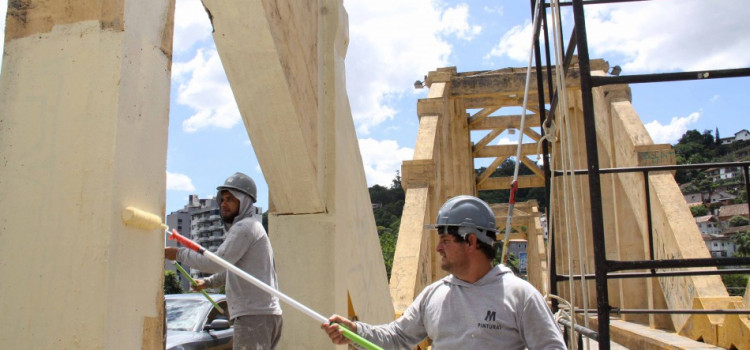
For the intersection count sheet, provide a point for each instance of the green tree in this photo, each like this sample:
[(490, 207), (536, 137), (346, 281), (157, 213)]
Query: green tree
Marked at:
[(171, 283), (388, 238), (737, 221), (735, 284), (742, 240), (695, 147), (699, 210)]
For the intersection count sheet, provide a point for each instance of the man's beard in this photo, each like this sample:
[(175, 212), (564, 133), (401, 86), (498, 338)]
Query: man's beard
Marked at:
[(228, 218)]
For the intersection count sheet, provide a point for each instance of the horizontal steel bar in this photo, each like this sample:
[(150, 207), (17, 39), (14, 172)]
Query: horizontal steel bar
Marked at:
[(657, 168), (616, 265), (594, 2), (666, 77), (591, 276), (615, 310), (589, 333)]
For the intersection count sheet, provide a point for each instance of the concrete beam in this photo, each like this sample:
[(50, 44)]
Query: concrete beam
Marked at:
[(273, 69)]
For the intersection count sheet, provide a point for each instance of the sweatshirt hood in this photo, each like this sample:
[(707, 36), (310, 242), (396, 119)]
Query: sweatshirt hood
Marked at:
[(246, 206)]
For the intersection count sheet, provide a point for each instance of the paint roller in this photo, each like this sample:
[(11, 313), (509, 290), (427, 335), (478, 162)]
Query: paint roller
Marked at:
[(147, 221), (140, 219)]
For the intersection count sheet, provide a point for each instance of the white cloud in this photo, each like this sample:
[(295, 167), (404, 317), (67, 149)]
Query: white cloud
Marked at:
[(498, 10), (203, 87), (179, 182), (514, 44), (506, 141), (381, 159), (456, 21), (654, 36), (671, 35), (714, 98), (392, 44), (671, 132), (191, 25)]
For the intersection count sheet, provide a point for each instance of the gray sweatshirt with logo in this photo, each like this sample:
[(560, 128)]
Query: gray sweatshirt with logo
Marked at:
[(500, 311), (246, 246)]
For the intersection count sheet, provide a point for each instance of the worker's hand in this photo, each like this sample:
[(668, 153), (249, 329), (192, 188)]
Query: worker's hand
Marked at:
[(333, 331), (170, 253), (199, 285)]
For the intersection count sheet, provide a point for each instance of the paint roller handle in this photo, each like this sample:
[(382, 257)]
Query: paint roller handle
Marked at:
[(358, 339), (195, 283), (176, 236)]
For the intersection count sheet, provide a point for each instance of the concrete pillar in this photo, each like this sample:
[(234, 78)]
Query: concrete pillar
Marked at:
[(285, 63), (84, 95)]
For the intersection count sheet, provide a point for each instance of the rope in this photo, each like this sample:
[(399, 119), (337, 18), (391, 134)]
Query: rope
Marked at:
[(514, 184), (566, 144)]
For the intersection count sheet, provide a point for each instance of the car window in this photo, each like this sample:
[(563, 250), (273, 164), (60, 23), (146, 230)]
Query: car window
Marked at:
[(214, 314), (184, 315)]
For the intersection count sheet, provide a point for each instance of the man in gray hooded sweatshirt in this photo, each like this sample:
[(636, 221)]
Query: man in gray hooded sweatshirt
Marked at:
[(477, 306), (256, 314)]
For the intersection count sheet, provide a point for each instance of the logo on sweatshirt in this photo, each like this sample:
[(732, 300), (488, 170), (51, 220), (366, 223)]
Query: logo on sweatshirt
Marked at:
[(490, 319), (490, 316)]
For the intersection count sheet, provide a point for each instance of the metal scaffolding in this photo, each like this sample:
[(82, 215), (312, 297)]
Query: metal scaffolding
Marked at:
[(605, 268)]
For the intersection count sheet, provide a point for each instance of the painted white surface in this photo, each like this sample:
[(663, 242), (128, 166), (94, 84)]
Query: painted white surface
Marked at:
[(83, 134)]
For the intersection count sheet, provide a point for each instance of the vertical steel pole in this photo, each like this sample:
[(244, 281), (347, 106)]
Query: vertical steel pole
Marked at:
[(547, 172), (595, 191), (551, 268), (649, 222)]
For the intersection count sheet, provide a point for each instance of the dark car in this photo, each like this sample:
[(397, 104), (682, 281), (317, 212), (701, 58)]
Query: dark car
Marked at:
[(194, 323)]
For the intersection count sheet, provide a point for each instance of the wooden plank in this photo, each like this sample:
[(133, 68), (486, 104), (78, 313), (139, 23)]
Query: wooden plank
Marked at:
[(531, 133), (417, 173), (426, 143), (487, 138), (532, 166), (506, 122), (503, 183), (409, 274), (481, 101), (527, 149), (431, 106), (503, 84), (481, 115), (490, 169)]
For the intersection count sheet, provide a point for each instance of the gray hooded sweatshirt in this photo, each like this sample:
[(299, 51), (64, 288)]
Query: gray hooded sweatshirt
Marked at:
[(500, 311), (246, 246)]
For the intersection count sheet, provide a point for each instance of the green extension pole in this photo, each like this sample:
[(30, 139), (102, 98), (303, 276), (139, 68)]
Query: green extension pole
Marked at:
[(357, 339), (194, 283)]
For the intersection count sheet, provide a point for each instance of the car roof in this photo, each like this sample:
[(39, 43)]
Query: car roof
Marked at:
[(193, 296)]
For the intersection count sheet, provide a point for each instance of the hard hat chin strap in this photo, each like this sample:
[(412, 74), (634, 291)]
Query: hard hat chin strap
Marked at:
[(481, 235)]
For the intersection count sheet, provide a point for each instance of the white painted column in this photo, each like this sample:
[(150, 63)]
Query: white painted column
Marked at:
[(84, 101)]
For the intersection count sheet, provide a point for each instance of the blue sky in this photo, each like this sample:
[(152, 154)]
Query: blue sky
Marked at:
[(395, 42)]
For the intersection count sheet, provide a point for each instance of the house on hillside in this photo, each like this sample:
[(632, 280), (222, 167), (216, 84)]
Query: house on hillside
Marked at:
[(720, 246), (718, 174), (726, 212), (741, 135), (718, 196), (731, 231), (708, 225)]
